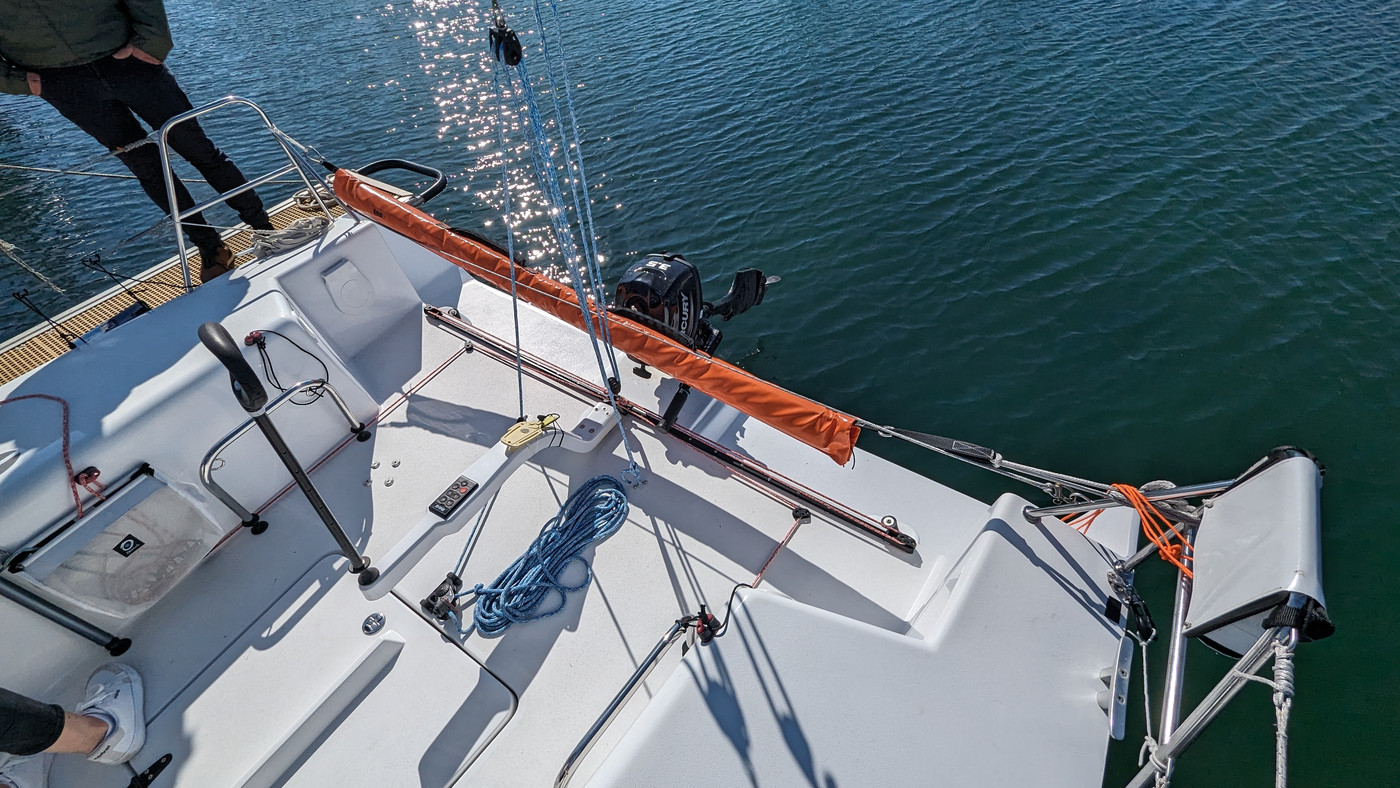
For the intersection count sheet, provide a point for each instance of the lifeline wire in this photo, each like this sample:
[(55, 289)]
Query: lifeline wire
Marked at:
[(90, 174), (592, 513), (82, 169), (146, 140)]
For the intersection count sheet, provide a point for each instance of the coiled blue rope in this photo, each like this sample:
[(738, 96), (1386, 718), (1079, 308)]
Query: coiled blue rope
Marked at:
[(591, 514)]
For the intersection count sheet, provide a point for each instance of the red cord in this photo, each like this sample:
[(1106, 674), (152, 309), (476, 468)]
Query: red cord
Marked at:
[(67, 460)]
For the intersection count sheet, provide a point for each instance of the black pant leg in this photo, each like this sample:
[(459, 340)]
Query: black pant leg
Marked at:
[(82, 95), (144, 161), (152, 92), (26, 725)]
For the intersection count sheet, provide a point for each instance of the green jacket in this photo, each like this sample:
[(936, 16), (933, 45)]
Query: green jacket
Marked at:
[(54, 33)]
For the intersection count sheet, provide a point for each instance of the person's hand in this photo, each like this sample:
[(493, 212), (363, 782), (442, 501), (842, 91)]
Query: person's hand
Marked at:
[(131, 51), (34, 84)]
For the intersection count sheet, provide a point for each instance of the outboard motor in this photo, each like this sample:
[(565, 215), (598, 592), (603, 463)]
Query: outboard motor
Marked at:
[(664, 289), (662, 292)]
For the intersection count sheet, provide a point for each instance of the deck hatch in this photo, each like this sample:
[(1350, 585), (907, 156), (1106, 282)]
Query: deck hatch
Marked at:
[(126, 553)]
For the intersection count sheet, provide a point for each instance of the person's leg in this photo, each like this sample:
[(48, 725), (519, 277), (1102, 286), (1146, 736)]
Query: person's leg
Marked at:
[(152, 92), (144, 162), (80, 94), (81, 734), (28, 727), (109, 727)]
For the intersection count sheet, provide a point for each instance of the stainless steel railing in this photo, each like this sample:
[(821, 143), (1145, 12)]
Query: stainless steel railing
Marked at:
[(628, 689), (206, 468), (296, 163)]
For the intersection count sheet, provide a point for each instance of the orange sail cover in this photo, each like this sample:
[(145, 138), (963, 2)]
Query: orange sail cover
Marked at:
[(816, 425)]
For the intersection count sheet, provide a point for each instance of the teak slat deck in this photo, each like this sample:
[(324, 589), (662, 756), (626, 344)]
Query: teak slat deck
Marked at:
[(38, 349)]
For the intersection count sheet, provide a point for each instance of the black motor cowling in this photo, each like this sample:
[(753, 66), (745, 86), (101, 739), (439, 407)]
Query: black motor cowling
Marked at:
[(662, 292), (664, 289)]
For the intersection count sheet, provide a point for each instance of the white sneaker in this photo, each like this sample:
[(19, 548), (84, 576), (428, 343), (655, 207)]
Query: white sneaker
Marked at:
[(24, 771), (114, 695)]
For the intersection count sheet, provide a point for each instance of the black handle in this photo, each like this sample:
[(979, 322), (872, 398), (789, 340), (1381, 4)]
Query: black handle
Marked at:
[(439, 179), (246, 386)]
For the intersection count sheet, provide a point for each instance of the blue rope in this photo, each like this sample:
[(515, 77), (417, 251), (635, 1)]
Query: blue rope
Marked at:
[(592, 513)]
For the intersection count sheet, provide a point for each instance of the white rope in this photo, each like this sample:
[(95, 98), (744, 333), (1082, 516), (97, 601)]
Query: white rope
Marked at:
[(1283, 706), (1148, 752), (1282, 685), (11, 251), (267, 243)]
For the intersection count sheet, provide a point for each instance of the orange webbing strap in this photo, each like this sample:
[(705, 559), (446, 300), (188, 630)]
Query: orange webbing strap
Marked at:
[(829, 431), (1158, 529)]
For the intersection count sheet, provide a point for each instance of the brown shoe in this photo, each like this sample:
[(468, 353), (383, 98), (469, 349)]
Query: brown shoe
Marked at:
[(215, 262)]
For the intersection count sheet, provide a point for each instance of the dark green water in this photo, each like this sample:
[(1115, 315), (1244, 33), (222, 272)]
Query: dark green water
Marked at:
[(1124, 240)]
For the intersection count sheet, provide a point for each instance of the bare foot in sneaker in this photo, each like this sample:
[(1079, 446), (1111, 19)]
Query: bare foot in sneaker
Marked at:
[(108, 727), (114, 696)]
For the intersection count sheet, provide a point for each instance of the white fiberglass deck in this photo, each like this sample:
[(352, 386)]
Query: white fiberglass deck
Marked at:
[(257, 671)]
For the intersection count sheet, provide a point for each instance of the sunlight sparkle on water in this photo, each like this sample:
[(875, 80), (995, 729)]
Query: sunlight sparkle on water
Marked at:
[(477, 106)]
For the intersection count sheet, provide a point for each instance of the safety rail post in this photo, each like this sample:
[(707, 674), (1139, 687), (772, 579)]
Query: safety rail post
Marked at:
[(307, 173), (1175, 682), (252, 397)]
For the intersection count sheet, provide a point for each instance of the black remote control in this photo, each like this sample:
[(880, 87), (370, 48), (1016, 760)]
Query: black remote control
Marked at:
[(453, 497)]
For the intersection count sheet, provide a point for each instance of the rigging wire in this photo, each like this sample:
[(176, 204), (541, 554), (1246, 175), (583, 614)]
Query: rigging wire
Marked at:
[(125, 176), (584, 213), (510, 231), (84, 165), (546, 171), (1048, 482), (83, 169)]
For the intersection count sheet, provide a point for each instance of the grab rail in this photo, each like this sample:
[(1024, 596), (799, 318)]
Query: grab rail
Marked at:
[(297, 164), (206, 468), (628, 689)]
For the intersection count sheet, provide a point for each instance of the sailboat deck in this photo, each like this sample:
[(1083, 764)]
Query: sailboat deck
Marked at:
[(278, 616), (257, 669), (44, 343)]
